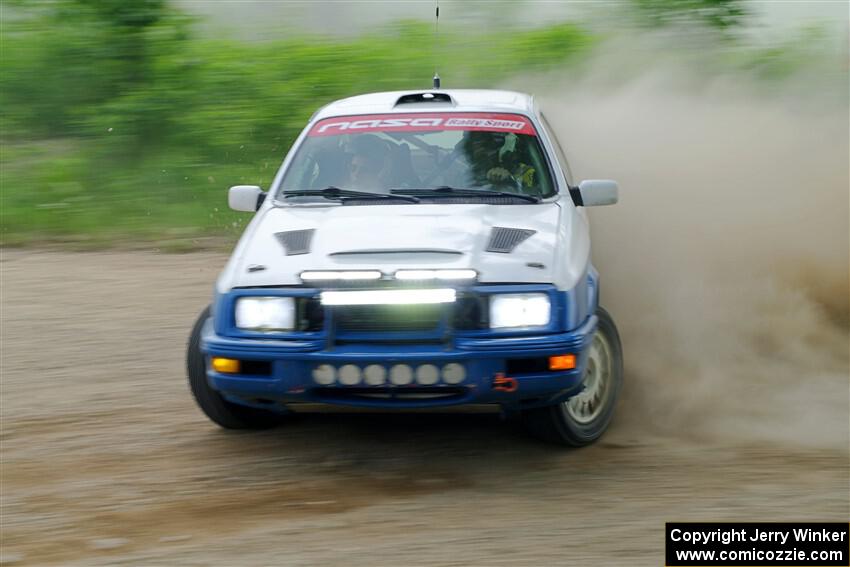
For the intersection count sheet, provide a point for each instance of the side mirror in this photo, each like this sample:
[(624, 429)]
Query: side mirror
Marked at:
[(246, 198), (593, 192)]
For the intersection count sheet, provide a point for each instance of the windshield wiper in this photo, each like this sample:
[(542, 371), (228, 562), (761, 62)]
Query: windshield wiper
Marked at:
[(332, 192), (446, 191)]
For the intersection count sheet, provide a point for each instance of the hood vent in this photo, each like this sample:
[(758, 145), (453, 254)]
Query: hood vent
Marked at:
[(504, 240), (296, 242)]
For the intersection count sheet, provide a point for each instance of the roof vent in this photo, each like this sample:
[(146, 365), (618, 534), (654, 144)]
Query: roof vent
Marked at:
[(296, 242), (504, 240), (419, 98)]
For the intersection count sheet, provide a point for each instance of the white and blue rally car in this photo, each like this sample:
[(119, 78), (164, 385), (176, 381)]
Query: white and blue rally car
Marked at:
[(416, 249)]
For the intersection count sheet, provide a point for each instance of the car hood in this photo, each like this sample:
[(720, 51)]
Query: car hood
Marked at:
[(389, 237)]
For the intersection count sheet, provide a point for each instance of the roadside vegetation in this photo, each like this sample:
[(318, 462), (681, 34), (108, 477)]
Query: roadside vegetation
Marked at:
[(119, 123)]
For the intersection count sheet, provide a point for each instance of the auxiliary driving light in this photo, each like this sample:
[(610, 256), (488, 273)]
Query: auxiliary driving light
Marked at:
[(349, 374), (436, 274), (427, 375), (453, 373), (225, 365), (375, 374), (324, 375), (562, 362), (388, 297), (337, 275), (401, 375)]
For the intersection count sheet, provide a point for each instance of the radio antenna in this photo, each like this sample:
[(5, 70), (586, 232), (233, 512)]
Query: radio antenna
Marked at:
[(436, 43)]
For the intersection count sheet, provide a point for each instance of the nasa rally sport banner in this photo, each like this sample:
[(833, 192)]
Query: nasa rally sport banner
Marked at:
[(423, 122), (763, 544)]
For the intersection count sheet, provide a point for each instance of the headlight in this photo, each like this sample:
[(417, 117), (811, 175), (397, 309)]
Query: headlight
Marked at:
[(265, 313), (519, 310)]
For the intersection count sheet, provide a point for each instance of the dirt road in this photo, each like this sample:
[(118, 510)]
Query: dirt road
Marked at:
[(106, 460)]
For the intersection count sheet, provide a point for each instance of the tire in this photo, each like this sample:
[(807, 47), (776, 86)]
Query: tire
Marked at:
[(579, 421), (219, 410)]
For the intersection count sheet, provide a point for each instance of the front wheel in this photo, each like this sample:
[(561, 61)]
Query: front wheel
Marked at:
[(214, 406), (583, 419)]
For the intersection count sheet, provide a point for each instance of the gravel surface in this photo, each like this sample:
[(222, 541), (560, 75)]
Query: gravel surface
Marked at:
[(106, 459)]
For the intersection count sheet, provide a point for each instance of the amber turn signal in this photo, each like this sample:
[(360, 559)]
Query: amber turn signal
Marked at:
[(225, 365), (562, 362)]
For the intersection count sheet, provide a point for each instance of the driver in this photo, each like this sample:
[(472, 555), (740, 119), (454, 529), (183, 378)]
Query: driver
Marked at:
[(495, 160), (370, 155)]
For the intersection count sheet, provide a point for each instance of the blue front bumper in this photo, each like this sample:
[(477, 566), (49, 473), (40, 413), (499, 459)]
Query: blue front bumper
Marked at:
[(291, 364)]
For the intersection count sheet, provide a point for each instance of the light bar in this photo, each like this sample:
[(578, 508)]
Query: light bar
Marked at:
[(337, 275), (436, 275), (388, 297)]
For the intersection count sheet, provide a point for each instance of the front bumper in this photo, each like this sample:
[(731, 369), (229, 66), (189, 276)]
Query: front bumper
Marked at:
[(289, 365)]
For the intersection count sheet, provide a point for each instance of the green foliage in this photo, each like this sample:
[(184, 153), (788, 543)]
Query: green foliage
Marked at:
[(118, 123), (721, 14)]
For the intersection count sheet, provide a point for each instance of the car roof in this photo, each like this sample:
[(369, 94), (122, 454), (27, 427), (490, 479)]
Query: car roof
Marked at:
[(459, 100)]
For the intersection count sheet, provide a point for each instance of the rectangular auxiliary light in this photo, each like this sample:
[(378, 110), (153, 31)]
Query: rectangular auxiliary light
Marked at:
[(338, 275), (388, 297), (225, 365), (436, 274), (562, 362)]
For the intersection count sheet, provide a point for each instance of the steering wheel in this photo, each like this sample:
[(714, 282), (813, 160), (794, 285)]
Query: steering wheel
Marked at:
[(443, 164)]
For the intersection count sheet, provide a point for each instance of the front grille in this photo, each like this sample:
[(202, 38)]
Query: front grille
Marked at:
[(469, 312), (388, 318)]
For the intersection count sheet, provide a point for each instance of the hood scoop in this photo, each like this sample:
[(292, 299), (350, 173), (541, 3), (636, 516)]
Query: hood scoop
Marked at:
[(406, 251), (504, 240), (412, 257), (296, 242)]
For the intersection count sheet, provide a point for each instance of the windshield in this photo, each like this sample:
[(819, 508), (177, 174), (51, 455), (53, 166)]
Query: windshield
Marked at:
[(381, 153)]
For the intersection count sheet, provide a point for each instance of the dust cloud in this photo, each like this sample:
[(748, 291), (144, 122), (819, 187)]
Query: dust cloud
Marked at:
[(725, 263)]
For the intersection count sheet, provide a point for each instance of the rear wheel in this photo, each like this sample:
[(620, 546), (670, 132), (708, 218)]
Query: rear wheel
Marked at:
[(583, 419), (219, 410)]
